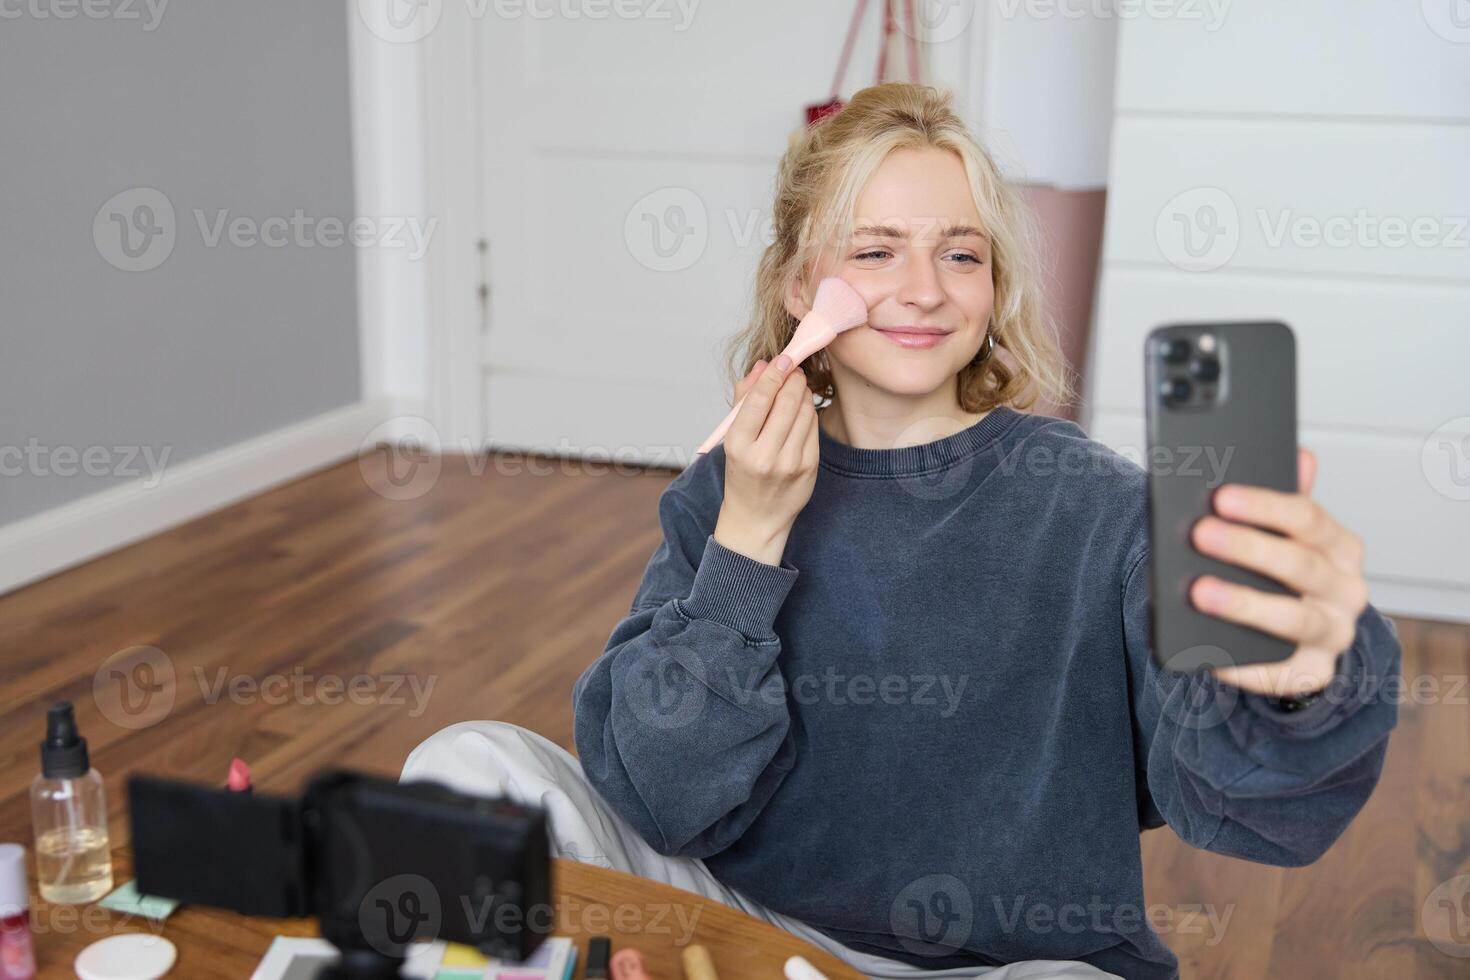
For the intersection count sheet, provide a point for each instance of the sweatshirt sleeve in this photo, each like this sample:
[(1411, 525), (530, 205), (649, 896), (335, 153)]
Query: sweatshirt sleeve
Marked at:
[(682, 724), (1232, 773)]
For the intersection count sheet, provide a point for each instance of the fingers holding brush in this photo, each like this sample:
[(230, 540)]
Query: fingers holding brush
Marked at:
[(785, 409), (800, 451), (770, 463), (742, 387), (756, 404)]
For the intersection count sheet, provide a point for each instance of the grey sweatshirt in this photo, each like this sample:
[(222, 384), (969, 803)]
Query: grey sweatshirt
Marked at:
[(935, 731)]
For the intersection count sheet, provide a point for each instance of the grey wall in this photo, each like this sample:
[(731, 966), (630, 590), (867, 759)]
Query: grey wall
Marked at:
[(234, 107)]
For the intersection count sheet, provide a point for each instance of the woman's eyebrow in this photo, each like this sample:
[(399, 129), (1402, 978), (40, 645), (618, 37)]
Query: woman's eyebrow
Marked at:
[(889, 231)]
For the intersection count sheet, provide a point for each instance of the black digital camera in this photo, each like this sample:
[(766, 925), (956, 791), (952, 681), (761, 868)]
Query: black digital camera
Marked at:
[(379, 863)]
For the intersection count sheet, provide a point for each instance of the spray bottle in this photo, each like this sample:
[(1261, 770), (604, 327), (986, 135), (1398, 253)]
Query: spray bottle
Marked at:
[(69, 816)]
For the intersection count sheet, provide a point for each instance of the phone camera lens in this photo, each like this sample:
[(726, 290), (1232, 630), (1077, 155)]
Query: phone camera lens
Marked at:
[(1177, 390), (1176, 351), (1205, 369)]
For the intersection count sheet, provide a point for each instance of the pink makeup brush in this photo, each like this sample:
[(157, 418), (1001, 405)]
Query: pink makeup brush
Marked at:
[(836, 307)]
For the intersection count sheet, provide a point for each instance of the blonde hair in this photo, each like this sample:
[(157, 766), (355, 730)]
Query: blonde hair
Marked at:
[(818, 183)]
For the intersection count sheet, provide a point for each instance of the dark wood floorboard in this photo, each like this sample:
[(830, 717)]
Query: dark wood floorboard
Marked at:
[(498, 585)]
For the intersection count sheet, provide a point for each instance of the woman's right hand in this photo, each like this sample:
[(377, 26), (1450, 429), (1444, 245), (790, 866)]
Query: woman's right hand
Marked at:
[(771, 454)]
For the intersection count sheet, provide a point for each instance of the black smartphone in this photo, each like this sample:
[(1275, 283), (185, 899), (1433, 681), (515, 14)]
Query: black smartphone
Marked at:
[(1221, 408)]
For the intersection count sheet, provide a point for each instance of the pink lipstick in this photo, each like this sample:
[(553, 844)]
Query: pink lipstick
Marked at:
[(239, 778), (914, 338)]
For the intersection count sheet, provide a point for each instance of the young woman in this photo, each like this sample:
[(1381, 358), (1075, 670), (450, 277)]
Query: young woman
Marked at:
[(887, 680)]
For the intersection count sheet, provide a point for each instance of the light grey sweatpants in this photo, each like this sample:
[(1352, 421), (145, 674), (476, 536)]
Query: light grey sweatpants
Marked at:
[(492, 758)]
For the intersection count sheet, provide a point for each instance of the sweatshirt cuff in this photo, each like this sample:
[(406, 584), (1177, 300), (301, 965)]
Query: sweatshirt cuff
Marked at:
[(1342, 691), (739, 592)]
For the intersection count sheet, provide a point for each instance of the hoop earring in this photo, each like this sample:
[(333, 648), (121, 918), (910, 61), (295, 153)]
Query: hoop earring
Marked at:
[(986, 350), (825, 366)]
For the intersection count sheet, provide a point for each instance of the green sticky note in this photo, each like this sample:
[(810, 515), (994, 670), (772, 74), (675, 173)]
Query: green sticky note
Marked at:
[(128, 901)]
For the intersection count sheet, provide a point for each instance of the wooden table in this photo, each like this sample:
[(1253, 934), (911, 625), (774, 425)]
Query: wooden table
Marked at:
[(655, 918)]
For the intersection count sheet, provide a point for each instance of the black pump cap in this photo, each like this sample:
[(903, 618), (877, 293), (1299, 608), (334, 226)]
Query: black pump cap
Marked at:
[(64, 753)]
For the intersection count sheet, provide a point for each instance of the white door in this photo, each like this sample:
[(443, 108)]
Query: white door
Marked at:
[(627, 165)]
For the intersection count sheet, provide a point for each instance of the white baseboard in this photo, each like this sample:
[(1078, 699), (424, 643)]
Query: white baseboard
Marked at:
[(45, 543)]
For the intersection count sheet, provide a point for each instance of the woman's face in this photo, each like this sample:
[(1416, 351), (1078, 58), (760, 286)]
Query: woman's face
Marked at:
[(920, 260)]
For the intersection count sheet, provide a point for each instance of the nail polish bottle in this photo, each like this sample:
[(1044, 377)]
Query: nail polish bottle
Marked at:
[(17, 958)]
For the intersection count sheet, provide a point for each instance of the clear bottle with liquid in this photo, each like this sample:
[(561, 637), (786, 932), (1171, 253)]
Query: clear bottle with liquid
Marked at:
[(69, 816)]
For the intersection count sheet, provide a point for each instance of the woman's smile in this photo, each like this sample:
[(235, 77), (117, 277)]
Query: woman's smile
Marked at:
[(915, 338)]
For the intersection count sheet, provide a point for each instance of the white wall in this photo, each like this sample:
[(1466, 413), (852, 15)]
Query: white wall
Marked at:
[(1044, 85), (1308, 162), (222, 356)]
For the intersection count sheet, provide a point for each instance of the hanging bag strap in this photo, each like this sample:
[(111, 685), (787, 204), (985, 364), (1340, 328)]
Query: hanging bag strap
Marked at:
[(913, 41), (852, 31), (890, 27)]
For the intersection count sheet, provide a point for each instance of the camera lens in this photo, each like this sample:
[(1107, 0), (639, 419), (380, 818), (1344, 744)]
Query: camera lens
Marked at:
[(1177, 390), (1205, 368), (1176, 351)]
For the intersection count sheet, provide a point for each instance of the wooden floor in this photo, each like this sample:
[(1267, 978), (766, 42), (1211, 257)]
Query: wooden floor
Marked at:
[(497, 586)]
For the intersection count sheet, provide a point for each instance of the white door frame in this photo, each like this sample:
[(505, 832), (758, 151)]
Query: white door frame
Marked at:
[(452, 148)]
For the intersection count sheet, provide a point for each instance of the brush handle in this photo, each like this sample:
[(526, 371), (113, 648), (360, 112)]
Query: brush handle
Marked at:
[(806, 343), (698, 965), (720, 430)]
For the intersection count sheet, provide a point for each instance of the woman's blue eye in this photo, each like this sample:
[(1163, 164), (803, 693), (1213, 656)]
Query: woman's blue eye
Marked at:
[(883, 253)]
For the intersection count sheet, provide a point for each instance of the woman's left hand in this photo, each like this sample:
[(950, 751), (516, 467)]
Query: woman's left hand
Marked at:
[(1317, 558)]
